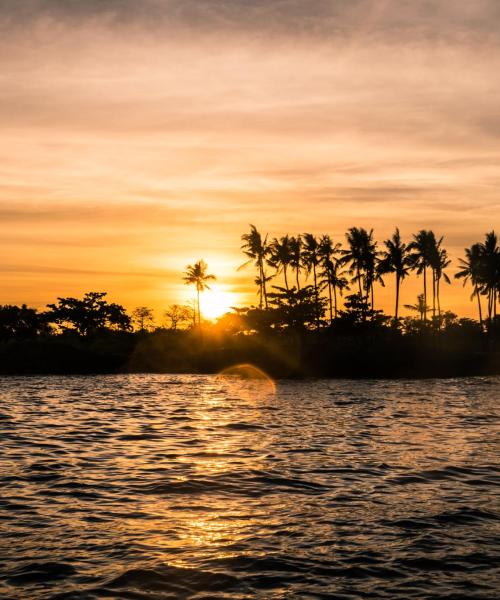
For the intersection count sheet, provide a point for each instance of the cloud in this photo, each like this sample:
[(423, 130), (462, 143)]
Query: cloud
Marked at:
[(389, 20)]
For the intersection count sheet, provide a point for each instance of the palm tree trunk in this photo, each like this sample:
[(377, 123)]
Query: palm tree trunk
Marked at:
[(335, 299), (261, 285), (425, 293), (373, 296), (286, 278), (264, 288), (397, 298), (297, 272), (199, 312), (330, 298), (316, 295), (438, 291), (479, 307), (433, 294)]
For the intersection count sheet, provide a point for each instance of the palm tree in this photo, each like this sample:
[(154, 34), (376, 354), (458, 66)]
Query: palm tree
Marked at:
[(296, 257), (362, 257), (328, 259), (396, 259), (334, 276), (440, 265), (491, 272), (422, 247), (472, 269), (280, 256), (197, 275), (257, 250), (310, 259), (420, 307)]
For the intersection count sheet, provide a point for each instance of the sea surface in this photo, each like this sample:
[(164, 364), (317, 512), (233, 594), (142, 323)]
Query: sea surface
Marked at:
[(162, 486)]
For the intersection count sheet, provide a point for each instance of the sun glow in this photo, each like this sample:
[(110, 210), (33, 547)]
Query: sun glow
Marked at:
[(216, 302)]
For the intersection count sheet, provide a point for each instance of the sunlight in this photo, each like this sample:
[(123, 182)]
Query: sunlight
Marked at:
[(216, 302)]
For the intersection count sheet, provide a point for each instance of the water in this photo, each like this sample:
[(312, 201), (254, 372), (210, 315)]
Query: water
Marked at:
[(200, 487)]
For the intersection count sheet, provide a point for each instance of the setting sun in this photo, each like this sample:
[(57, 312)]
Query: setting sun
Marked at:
[(216, 302)]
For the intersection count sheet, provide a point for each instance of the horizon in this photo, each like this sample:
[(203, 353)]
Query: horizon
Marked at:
[(138, 138)]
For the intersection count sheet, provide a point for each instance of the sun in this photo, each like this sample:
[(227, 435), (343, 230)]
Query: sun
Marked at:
[(216, 302)]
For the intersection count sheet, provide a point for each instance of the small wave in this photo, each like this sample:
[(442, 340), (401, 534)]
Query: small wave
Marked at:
[(41, 572), (177, 580)]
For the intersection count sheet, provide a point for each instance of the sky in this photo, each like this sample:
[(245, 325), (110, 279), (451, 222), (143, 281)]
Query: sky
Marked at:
[(138, 137)]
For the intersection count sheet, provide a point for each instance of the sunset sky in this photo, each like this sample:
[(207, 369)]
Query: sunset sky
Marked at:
[(140, 136)]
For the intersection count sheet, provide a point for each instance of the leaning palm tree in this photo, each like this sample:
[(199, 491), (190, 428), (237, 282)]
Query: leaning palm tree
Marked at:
[(197, 275), (471, 269), (396, 259), (296, 257), (257, 249), (280, 256)]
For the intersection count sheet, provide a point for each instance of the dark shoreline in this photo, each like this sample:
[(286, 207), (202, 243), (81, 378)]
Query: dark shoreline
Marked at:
[(298, 356)]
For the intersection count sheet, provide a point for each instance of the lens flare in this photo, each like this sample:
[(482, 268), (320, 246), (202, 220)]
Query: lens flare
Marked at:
[(247, 371)]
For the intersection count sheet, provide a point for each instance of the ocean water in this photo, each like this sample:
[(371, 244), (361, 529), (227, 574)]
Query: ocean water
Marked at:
[(162, 486)]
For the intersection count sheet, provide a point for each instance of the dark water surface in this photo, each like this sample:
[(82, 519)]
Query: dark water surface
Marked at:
[(148, 487)]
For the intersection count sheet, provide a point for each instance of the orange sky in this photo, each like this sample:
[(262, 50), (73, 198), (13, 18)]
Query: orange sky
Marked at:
[(140, 136)]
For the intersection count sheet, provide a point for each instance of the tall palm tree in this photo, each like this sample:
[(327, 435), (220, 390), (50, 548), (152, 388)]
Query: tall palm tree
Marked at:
[(422, 247), (396, 259), (491, 272), (310, 259), (328, 252), (197, 275), (440, 265), (257, 249), (334, 276), (280, 256), (362, 257), (472, 269), (296, 257)]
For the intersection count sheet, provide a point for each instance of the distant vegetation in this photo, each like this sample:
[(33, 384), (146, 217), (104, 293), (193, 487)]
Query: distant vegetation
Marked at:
[(316, 315)]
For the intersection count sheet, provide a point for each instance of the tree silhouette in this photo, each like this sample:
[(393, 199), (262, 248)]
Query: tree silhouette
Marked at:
[(197, 275), (310, 260), (423, 247), (280, 256), (257, 250), (472, 270), (88, 315), (296, 257), (442, 262), (396, 259), (176, 314), (491, 273), (420, 307), (361, 256), (331, 272), (142, 318)]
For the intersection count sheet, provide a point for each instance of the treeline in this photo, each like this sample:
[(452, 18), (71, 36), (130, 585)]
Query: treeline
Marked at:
[(355, 268), (316, 316)]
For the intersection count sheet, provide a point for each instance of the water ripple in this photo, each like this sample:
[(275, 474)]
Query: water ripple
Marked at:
[(155, 487)]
